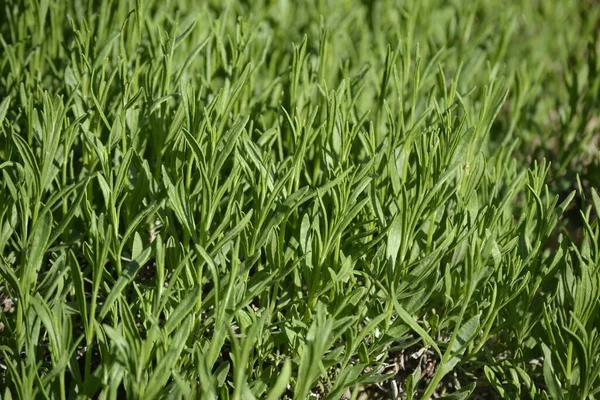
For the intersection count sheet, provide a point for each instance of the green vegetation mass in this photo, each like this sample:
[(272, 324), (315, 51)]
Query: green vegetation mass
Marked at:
[(299, 199)]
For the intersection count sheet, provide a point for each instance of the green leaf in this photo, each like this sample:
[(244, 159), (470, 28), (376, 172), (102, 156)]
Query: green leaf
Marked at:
[(494, 381), (182, 311), (552, 385), (596, 201), (4, 108), (466, 334), (414, 325), (103, 52), (73, 209), (162, 372), (125, 279), (38, 245), (138, 246), (462, 393), (394, 240)]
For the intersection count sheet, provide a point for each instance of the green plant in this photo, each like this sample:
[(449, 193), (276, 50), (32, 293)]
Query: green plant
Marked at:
[(294, 199)]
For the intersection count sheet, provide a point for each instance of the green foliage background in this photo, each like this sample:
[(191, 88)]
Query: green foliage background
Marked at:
[(279, 198)]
